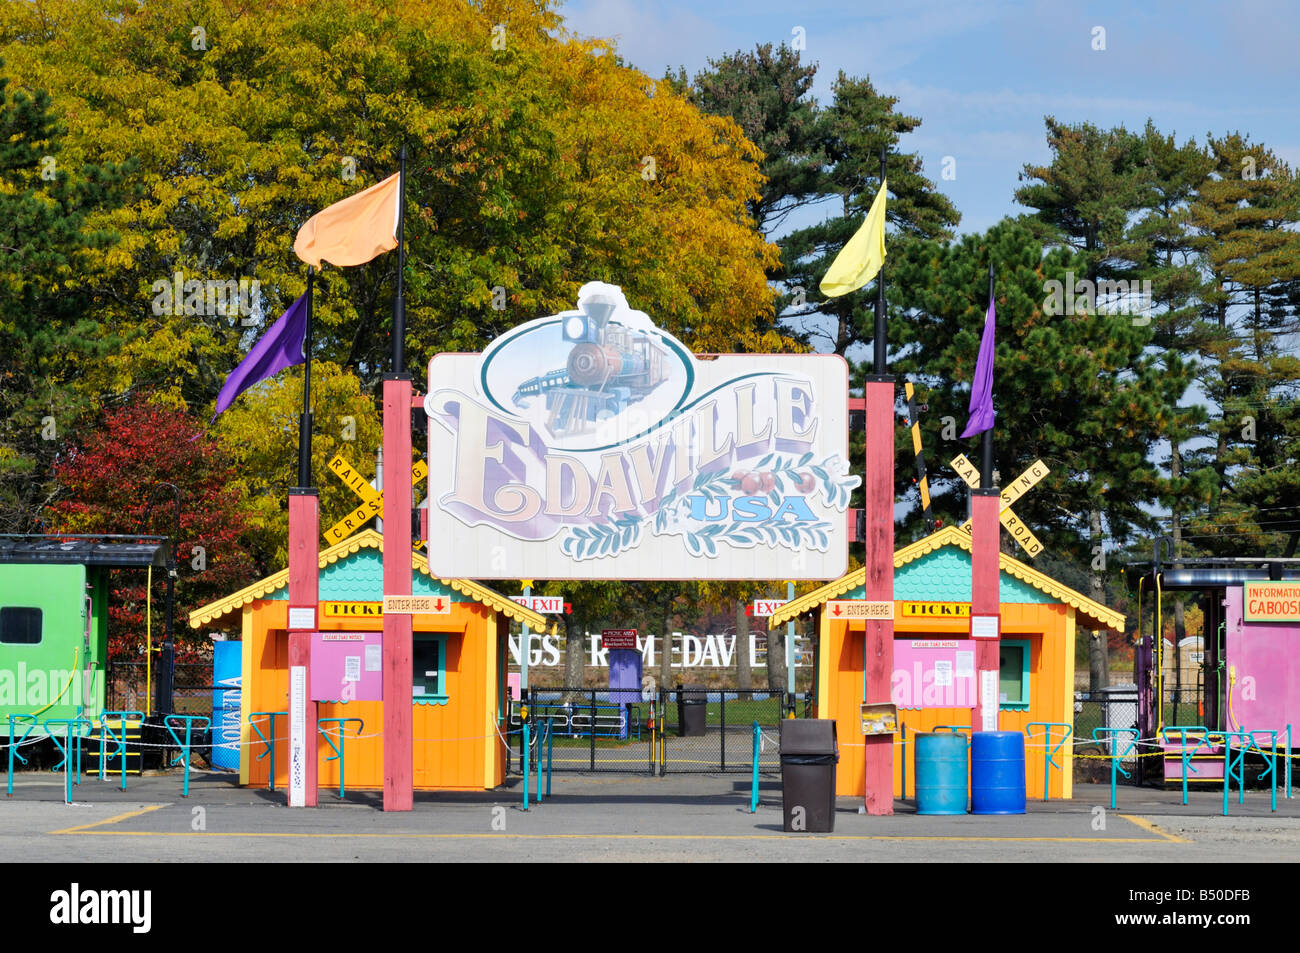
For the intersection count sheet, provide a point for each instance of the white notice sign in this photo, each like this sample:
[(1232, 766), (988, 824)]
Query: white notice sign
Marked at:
[(373, 655), (297, 736), (942, 673), (988, 701), (352, 668), (302, 617), (984, 627), (965, 664)]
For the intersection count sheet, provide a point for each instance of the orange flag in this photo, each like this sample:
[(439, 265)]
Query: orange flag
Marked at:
[(354, 231)]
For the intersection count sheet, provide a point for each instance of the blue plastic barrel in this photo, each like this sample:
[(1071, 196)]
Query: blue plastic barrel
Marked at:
[(997, 772), (941, 773)]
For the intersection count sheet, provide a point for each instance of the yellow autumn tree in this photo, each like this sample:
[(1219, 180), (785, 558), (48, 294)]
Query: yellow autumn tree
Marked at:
[(537, 162)]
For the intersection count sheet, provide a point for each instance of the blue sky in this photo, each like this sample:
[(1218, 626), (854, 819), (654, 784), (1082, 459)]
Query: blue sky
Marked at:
[(981, 76)]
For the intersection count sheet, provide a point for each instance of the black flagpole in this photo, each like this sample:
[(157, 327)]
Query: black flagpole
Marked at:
[(399, 305), (304, 419), (880, 341), (986, 461)]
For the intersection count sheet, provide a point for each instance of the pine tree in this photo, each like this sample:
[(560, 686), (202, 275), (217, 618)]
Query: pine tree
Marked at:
[(1244, 217), (49, 333)]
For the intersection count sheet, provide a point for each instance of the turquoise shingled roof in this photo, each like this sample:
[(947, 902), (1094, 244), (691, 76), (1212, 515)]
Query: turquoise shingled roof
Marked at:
[(944, 576), (359, 577)]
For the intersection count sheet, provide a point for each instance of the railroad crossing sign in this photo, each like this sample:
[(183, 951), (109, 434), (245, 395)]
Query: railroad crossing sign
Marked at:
[(1018, 488), (372, 500)]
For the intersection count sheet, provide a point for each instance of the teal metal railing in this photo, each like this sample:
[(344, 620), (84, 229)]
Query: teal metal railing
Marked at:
[(1188, 753), (339, 748), (528, 767), (269, 742), (15, 745), (129, 720), (903, 749), (1051, 748), (173, 722), (1116, 755), (73, 740), (753, 785)]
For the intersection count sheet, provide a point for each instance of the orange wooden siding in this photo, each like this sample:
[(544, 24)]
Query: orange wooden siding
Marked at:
[(1047, 627), (456, 745)]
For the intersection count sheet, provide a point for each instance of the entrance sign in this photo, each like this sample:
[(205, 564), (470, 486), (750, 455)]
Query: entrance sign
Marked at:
[(859, 609), (593, 445), (417, 605)]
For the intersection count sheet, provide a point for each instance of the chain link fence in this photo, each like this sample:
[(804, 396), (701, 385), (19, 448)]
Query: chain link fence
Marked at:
[(193, 692), (691, 729)]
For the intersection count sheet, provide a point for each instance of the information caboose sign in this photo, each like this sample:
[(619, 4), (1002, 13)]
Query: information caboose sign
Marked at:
[(593, 445)]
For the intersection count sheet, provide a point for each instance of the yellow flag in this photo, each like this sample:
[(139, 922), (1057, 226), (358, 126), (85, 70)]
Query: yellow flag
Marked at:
[(862, 256), (353, 231)]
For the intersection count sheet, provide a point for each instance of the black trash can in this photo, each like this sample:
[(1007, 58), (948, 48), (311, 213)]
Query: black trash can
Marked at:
[(809, 753), (692, 711)]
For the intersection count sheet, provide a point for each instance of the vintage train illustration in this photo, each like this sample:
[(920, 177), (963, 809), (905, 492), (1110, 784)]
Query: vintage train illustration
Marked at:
[(609, 367)]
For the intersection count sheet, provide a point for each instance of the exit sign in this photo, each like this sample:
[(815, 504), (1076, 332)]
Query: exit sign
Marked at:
[(763, 608)]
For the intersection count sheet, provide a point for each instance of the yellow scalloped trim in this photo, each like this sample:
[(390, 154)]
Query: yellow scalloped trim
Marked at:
[(366, 539), (951, 535)]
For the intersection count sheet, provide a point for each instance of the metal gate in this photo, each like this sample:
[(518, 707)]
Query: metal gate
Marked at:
[(679, 730)]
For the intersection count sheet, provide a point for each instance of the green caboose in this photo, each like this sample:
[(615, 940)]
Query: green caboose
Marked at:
[(54, 620)]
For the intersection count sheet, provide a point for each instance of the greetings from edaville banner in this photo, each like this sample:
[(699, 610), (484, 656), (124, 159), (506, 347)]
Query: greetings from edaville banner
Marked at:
[(592, 445)]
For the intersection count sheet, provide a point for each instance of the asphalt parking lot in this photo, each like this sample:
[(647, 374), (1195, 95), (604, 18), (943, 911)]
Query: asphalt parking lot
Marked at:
[(612, 817)]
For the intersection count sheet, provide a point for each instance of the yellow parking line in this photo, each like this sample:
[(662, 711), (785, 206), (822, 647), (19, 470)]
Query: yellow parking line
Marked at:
[(606, 837), (86, 828), (1146, 825)]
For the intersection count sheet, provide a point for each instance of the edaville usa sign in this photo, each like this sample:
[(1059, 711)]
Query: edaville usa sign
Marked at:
[(592, 445)]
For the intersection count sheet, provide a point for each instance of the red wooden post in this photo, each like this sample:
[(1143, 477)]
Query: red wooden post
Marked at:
[(878, 586), (985, 602), (304, 568), (398, 685)]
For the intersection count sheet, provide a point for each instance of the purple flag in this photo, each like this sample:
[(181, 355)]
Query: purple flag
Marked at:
[(981, 390), (277, 349)]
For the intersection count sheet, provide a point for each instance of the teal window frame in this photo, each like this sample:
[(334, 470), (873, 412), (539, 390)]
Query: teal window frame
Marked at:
[(1021, 704), (439, 697)]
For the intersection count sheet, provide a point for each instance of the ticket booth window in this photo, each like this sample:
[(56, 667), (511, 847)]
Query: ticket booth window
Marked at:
[(1013, 683), (429, 667)]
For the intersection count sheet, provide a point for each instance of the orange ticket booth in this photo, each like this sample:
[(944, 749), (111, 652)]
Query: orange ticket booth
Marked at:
[(458, 694), (933, 681)]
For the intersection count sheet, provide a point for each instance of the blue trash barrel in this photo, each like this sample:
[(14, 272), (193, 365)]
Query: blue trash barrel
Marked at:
[(941, 773), (997, 772)]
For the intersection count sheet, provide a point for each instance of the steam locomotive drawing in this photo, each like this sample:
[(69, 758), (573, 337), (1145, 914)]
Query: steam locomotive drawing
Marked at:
[(609, 367)]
